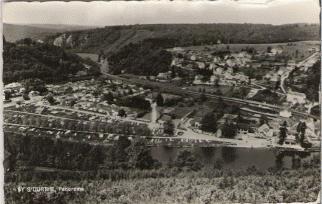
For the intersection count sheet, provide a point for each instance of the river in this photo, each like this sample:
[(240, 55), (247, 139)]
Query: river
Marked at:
[(237, 158)]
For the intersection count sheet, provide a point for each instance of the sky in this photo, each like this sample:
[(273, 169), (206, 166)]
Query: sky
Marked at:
[(151, 12)]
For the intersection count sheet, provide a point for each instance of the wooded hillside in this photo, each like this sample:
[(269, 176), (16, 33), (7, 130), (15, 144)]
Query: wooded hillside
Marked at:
[(112, 38)]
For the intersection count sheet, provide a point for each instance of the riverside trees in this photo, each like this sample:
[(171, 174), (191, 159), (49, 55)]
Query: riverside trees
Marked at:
[(283, 133)]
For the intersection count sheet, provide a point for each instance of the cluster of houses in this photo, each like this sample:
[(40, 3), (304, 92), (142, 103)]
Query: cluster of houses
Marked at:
[(224, 64), (222, 68), (81, 95), (222, 76), (15, 89), (252, 127), (164, 77)]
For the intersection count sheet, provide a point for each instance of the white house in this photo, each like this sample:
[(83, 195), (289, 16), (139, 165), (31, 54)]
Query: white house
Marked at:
[(213, 78), (218, 70), (218, 132), (276, 50), (265, 131), (296, 97), (216, 59), (285, 114), (164, 75), (198, 79), (290, 140), (59, 41), (14, 85), (201, 65)]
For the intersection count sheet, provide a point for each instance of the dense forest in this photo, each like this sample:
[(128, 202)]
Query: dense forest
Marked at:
[(145, 58), (28, 59)]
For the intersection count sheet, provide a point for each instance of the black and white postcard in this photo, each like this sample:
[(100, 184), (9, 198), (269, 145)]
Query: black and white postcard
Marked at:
[(161, 102)]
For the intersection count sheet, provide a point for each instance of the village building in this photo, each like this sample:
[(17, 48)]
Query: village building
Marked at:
[(201, 65), (265, 131), (218, 70), (275, 51), (290, 140), (15, 86), (34, 93), (219, 132), (285, 113), (193, 57), (198, 79), (296, 97), (214, 78), (164, 75), (60, 40), (230, 118)]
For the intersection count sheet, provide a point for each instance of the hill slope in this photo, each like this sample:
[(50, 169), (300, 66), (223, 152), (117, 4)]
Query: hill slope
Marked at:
[(29, 60), (13, 32), (113, 38)]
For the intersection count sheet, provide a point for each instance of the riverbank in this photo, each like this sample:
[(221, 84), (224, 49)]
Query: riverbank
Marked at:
[(202, 140)]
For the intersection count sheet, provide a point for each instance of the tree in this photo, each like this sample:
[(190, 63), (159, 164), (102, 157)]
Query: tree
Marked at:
[(269, 49), (300, 129), (51, 99), (277, 84), (209, 122), (187, 159), (217, 80), (97, 92), (108, 97), (7, 95), (122, 113), (173, 73), (139, 155), (168, 127), (283, 133), (220, 107), (229, 154), (263, 120), (25, 97), (69, 90), (296, 53), (159, 99), (135, 102), (229, 130), (118, 153), (243, 92), (203, 97), (35, 85), (72, 102), (134, 58)]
